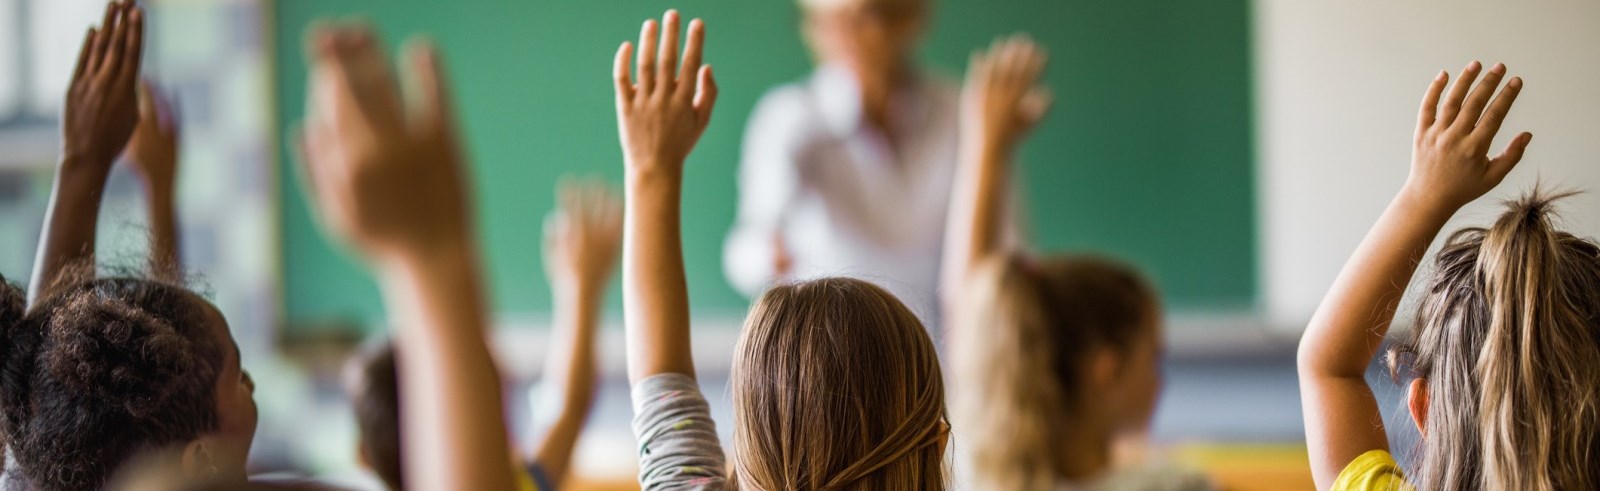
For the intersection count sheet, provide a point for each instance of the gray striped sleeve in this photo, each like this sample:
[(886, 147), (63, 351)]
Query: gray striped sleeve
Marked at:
[(678, 446)]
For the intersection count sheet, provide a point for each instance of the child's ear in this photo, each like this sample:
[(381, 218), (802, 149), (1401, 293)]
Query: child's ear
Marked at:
[(1417, 401), (362, 458), (1105, 364), (198, 462)]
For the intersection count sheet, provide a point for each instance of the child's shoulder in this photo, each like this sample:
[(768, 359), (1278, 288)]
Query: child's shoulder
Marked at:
[(1375, 469)]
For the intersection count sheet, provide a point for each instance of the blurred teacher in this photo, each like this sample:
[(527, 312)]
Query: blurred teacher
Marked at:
[(848, 172)]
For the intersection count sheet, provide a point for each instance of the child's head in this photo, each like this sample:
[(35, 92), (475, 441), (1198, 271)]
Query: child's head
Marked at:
[(116, 369), (1050, 350), (1506, 354), (373, 385), (836, 385), (871, 37)]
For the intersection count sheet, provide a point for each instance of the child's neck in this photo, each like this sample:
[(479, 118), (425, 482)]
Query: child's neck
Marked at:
[(1085, 455)]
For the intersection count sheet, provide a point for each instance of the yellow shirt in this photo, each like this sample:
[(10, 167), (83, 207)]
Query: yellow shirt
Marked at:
[(1375, 470)]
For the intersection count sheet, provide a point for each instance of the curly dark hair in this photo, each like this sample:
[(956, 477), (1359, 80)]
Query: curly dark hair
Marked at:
[(102, 372)]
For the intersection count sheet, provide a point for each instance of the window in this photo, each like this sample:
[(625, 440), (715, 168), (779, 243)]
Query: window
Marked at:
[(10, 52), (39, 41)]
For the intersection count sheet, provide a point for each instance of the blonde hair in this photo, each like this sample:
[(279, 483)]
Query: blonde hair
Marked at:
[(1025, 329), (836, 385), (1506, 339)]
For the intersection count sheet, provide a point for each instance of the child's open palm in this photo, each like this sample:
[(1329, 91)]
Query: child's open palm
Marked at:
[(153, 151), (582, 237), (102, 106), (662, 114), (1003, 98), (1450, 165), (386, 177)]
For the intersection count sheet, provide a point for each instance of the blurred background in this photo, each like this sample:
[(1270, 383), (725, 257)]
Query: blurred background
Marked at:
[(1236, 150)]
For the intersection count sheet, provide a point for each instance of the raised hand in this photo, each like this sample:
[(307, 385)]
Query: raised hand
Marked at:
[(662, 115), (102, 106), (582, 238), (153, 151), (1450, 165), (386, 177), (96, 121), (1003, 99)]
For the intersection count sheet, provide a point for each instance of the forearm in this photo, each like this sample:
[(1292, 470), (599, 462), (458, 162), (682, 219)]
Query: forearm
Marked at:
[(1346, 331), (976, 226), (163, 230), (655, 293), (572, 364), (69, 227), (992, 166), (453, 413)]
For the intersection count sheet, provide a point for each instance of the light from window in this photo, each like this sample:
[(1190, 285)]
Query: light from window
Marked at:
[(10, 74), (56, 32)]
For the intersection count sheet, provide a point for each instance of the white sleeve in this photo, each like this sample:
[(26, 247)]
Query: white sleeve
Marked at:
[(769, 182)]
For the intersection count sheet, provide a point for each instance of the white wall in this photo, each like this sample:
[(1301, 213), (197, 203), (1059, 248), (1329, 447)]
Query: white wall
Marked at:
[(1337, 89)]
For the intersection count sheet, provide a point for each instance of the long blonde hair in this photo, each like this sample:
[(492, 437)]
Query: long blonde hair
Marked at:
[(1025, 328), (1506, 339), (836, 385)]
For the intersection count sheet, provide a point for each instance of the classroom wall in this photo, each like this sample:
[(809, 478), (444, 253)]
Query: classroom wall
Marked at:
[(1339, 87), (1147, 155)]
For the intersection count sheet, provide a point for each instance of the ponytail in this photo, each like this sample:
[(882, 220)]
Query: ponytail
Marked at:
[(1506, 338), (1026, 328)]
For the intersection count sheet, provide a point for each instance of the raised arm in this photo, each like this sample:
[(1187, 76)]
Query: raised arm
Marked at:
[(581, 241), (660, 117), (153, 152), (1002, 102), (387, 179), (99, 116), (1449, 168)]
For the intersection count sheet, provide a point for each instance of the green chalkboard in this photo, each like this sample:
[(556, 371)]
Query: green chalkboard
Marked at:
[(1147, 156)]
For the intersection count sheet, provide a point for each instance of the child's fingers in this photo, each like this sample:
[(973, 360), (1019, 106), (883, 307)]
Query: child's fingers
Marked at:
[(133, 50), (692, 56), (620, 75), (1472, 109), (308, 139), (97, 55), (1496, 114), (1037, 103), (116, 44), (1037, 59), (564, 192), (667, 58), (706, 99), (427, 75), (1508, 159), (147, 104), (555, 228), (975, 69), (647, 57), (1016, 48), (85, 51), (1458, 92), (1430, 100)]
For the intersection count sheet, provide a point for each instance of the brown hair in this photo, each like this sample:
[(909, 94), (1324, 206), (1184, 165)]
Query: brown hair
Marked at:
[(836, 385), (1506, 339), (1024, 330), (372, 382), (100, 373)]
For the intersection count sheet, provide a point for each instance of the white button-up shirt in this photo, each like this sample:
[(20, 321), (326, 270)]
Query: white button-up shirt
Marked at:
[(846, 200)]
